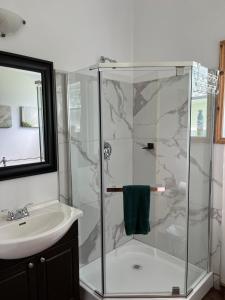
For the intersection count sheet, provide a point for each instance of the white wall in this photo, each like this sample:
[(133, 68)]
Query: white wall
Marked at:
[(72, 34), (178, 30), (185, 30)]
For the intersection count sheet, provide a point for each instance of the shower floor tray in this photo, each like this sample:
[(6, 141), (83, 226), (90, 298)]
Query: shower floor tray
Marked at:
[(138, 268)]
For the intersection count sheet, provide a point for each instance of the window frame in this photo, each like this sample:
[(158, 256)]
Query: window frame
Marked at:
[(219, 112)]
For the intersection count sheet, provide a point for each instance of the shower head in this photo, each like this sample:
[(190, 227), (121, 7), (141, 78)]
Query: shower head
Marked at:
[(104, 59)]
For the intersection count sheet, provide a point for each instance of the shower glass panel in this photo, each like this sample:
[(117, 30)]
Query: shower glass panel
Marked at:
[(202, 104), (85, 169), (148, 105), (139, 125)]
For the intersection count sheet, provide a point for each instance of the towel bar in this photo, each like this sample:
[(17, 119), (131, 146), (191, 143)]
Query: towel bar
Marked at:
[(153, 189)]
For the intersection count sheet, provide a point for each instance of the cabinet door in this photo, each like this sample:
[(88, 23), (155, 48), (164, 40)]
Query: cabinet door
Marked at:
[(56, 273), (18, 283)]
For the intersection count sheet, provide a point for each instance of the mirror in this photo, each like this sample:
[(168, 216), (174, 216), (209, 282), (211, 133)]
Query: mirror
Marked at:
[(21, 117), (27, 116), (220, 113)]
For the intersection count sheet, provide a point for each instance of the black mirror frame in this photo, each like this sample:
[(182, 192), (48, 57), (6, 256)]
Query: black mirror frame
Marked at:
[(12, 60)]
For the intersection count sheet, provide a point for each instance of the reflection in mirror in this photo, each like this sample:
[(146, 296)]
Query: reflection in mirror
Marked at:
[(21, 117)]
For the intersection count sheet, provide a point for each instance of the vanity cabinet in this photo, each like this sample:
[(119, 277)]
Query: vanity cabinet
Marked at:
[(18, 283), (50, 275), (56, 270)]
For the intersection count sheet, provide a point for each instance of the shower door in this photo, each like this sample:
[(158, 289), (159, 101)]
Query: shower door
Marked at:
[(202, 121), (145, 122), (85, 172)]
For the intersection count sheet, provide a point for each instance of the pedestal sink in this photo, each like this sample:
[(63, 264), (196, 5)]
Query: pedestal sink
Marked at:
[(43, 228)]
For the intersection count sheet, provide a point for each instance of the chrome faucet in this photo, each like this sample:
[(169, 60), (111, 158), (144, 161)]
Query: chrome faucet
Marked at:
[(18, 214)]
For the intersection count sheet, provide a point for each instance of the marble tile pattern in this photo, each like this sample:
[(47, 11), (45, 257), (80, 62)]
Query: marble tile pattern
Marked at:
[(117, 124), (85, 160), (162, 120), (63, 143), (161, 117), (216, 212)]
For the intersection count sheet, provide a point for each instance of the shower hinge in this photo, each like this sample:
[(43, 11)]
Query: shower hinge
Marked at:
[(179, 71), (175, 291), (189, 292), (98, 293)]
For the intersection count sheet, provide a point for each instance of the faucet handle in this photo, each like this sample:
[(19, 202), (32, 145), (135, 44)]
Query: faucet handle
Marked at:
[(25, 210), (10, 214)]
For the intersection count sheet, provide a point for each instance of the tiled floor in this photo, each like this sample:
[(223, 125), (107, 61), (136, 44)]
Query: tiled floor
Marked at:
[(215, 295)]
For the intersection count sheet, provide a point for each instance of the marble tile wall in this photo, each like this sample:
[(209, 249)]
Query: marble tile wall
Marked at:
[(63, 173), (85, 159), (163, 121), (117, 123), (154, 122), (216, 212), (199, 203)]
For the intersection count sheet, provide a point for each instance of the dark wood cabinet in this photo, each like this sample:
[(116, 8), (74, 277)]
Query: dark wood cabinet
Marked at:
[(16, 285), (50, 275), (56, 273)]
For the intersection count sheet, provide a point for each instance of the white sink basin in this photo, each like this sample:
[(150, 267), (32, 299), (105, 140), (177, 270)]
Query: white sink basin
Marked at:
[(33, 234)]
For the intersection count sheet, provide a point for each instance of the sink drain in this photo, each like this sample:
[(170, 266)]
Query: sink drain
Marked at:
[(137, 267)]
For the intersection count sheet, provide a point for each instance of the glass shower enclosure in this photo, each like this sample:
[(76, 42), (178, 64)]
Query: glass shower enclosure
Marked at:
[(142, 124)]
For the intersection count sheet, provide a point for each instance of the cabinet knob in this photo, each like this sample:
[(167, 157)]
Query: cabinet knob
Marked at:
[(30, 265), (42, 260)]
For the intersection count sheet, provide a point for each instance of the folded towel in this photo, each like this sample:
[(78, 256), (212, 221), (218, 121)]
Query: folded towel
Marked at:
[(136, 206)]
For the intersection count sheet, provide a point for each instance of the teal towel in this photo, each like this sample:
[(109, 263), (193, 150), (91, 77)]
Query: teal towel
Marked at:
[(136, 206)]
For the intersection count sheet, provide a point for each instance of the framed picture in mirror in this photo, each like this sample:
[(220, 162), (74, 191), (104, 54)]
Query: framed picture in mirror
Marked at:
[(29, 117), (5, 116)]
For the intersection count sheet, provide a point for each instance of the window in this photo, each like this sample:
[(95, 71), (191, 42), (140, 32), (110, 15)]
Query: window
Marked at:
[(199, 116)]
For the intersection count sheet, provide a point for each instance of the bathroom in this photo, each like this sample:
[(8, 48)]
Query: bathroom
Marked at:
[(74, 35)]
